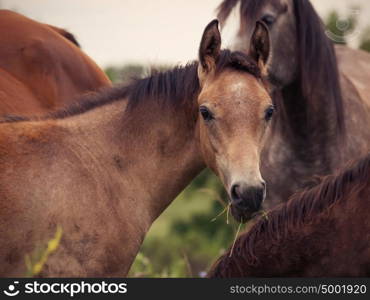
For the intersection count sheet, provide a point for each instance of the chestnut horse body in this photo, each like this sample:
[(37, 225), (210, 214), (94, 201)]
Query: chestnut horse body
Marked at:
[(41, 67), (320, 232), (105, 169), (321, 94)]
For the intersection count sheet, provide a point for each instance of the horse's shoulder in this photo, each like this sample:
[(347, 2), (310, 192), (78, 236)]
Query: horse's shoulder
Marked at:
[(41, 55)]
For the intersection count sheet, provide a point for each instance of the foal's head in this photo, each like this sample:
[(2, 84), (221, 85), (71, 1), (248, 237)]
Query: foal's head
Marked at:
[(235, 109)]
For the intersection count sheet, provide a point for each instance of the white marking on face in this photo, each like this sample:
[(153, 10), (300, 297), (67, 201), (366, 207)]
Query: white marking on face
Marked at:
[(237, 88), (231, 27)]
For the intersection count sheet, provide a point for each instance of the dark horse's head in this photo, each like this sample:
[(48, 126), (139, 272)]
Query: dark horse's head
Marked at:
[(296, 32)]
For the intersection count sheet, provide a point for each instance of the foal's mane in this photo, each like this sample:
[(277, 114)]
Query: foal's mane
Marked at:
[(176, 87), (302, 208), (317, 86)]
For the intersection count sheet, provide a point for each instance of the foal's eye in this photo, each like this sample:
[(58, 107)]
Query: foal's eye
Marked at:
[(268, 19), (268, 113), (206, 114)]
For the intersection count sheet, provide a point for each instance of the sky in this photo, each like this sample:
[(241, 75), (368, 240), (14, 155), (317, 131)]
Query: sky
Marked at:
[(116, 32)]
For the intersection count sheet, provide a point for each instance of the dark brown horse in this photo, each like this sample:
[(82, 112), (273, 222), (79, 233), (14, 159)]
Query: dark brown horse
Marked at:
[(41, 67), (106, 168), (321, 232), (323, 115)]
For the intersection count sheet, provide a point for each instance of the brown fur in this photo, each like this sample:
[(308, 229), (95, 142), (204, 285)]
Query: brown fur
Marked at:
[(104, 169), (41, 66), (323, 231)]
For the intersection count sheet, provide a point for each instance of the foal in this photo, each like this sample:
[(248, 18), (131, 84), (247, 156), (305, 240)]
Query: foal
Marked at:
[(104, 170), (321, 232)]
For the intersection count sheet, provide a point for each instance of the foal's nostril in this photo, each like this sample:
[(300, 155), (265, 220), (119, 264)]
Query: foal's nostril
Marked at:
[(263, 183), (235, 192)]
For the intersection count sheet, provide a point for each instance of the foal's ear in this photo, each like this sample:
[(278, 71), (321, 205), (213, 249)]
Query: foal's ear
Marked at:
[(210, 48), (260, 45)]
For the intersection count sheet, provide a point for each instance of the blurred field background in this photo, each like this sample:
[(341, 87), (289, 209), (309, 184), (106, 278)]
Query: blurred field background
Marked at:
[(187, 238)]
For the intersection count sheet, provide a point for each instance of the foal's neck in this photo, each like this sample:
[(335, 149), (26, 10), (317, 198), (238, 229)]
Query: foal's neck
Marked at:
[(163, 146), (153, 148)]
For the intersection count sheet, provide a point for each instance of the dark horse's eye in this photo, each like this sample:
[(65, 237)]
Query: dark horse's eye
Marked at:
[(268, 19), (206, 114), (268, 113)]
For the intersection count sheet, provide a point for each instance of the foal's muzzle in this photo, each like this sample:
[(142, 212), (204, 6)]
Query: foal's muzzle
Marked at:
[(246, 200)]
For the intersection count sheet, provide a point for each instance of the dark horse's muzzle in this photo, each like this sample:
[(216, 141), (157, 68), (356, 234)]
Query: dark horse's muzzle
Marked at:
[(246, 200)]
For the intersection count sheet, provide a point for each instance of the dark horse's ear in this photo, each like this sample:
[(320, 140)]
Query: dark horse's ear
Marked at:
[(260, 45), (210, 48)]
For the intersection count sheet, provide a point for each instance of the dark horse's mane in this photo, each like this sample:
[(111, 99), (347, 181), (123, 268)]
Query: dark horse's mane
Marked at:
[(316, 94), (177, 86), (69, 36), (302, 207), (66, 34)]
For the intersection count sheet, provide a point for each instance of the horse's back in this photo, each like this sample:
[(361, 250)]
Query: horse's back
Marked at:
[(49, 63)]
